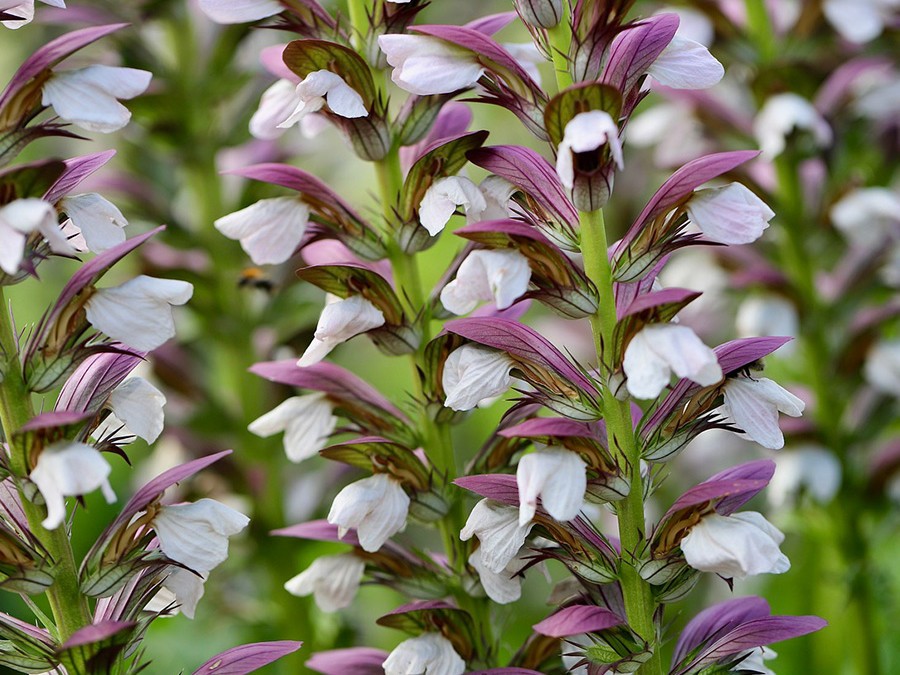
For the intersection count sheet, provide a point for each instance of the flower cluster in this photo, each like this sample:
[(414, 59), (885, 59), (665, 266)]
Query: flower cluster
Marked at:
[(587, 436), (81, 359)]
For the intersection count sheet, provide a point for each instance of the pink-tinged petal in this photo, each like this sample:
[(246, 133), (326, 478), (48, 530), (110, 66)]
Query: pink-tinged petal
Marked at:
[(88, 97), (635, 49), (425, 65), (352, 661), (685, 64), (730, 489), (578, 619), (247, 658), (532, 174), (269, 230), (51, 54), (77, 169), (718, 619), (89, 386), (683, 182), (240, 11)]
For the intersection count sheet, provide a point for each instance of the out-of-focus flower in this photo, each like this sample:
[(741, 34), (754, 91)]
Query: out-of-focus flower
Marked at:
[(275, 105), (732, 214), (473, 373), (321, 87), (138, 312), (99, 221), (658, 350), (68, 469), (586, 132), (860, 21), (196, 534), (18, 219), (426, 65), (809, 469), (754, 404), (685, 64), (442, 198), (528, 56), (332, 580), (556, 475), (761, 315), (139, 406), (269, 230), (307, 422), (341, 319), (736, 546), (88, 97), (25, 10), (500, 276), (240, 11), (502, 587), (868, 216), (782, 114), (672, 131), (497, 528), (882, 368), (430, 653), (376, 507)]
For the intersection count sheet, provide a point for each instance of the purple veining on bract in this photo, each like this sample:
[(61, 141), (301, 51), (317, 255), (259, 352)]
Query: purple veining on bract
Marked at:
[(577, 619), (247, 658), (77, 169), (635, 49)]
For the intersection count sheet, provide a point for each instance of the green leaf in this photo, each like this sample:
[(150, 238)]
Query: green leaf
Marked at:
[(308, 56)]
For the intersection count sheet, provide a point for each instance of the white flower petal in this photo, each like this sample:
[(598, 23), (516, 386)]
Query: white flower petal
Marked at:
[(429, 653), (68, 469), (240, 11), (882, 367), (275, 105), (868, 216), (501, 276), (138, 312), (99, 220), (660, 349), (333, 580), (810, 469), (341, 320), (586, 132), (17, 220), (307, 421), (685, 64), (857, 21), (376, 507), (426, 65), (182, 587), (442, 198), (729, 215), (269, 230), (473, 373), (497, 528), (783, 113), (735, 546), (503, 587), (87, 97), (754, 405), (196, 534), (140, 406), (556, 475)]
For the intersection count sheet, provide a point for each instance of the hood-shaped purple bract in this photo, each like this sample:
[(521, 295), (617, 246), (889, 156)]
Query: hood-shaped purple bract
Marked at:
[(734, 487), (353, 661), (453, 120), (683, 182), (51, 54), (635, 49), (77, 169), (96, 632), (577, 619), (492, 23), (96, 377), (733, 627), (247, 658), (522, 342), (531, 173)]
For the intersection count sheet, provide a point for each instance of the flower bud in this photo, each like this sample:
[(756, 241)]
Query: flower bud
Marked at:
[(540, 13)]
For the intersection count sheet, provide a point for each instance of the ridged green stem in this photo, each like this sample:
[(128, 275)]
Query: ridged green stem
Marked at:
[(69, 606), (639, 603)]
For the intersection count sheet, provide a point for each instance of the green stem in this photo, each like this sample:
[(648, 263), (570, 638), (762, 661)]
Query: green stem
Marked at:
[(560, 44), (639, 604), (69, 606), (761, 29), (359, 21)]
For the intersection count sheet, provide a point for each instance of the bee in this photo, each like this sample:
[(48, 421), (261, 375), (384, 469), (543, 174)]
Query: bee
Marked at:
[(254, 277), (749, 369)]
